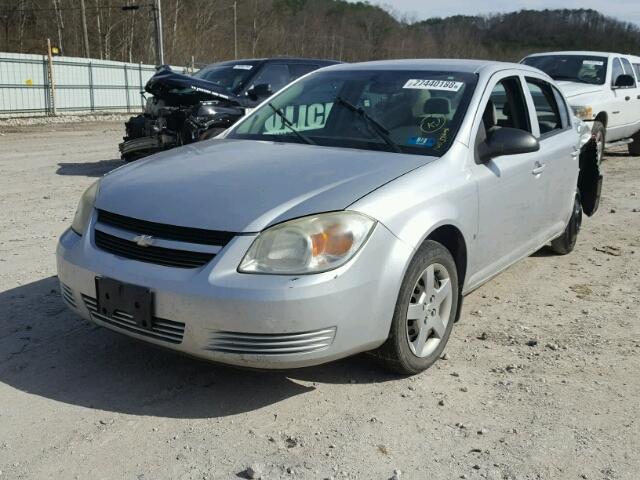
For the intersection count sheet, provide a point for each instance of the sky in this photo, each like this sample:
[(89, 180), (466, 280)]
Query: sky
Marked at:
[(626, 10)]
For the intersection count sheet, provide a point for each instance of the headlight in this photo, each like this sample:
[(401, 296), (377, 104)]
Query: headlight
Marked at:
[(584, 112), (85, 207), (308, 245)]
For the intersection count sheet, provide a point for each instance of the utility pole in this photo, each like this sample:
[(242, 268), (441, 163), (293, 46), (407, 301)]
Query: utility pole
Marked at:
[(157, 20), (157, 15), (235, 29), (51, 82), (85, 35)]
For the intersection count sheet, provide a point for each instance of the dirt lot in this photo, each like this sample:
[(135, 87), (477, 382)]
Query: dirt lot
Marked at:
[(541, 379)]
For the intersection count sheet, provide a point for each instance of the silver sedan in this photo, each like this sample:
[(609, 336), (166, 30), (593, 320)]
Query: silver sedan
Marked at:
[(350, 212)]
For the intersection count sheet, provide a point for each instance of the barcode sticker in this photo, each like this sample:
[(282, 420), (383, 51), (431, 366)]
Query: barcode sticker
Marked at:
[(426, 84)]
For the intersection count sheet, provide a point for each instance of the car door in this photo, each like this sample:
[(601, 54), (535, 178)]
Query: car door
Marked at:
[(632, 98), (621, 111), (558, 156), (509, 191)]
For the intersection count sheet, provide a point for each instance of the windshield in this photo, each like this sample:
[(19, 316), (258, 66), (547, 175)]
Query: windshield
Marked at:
[(573, 68), (230, 77), (415, 112)]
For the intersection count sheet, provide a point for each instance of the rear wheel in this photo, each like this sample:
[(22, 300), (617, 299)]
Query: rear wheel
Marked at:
[(566, 242), (634, 147), (599, 137), (425, 312)]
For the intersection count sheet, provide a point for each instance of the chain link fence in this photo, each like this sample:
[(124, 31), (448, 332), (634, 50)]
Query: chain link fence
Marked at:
[(77, 85)]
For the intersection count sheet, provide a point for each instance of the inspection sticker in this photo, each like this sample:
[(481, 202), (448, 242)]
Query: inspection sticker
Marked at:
[(421, 84), (422, 141), (593, 62), (242, 67)]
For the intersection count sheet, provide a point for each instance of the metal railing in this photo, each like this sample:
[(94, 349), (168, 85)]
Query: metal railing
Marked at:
[(80, 85)]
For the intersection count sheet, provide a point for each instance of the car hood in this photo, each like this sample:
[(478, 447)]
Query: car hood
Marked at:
[(245, 186), (185, 89), (573, 89)]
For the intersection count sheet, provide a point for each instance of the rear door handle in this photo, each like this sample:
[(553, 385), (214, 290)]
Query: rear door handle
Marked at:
[(539, 168), (627, 98)]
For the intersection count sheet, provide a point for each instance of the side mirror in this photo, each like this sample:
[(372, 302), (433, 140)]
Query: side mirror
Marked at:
[(260, 90), (624, 81), (506, 141)]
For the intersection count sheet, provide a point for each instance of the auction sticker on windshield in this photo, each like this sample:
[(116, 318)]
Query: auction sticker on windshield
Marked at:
[(425, 84), (242, 67)]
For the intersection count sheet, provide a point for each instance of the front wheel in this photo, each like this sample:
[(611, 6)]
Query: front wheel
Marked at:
[(425, 312), (566, 242)]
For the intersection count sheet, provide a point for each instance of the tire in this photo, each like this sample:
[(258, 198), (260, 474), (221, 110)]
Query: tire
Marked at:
[(566, 242), (599, 137), (634, 147), (414, 344)]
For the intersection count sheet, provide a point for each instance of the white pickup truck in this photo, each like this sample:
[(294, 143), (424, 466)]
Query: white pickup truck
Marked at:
[(603, 89)]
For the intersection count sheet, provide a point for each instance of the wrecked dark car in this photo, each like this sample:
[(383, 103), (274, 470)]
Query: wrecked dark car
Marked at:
[(187, 108)]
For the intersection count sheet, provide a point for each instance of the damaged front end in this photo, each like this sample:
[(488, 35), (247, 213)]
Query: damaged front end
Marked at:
[(183, 109)]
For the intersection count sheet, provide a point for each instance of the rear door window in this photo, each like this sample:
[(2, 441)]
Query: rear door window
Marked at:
[(628, 69), (546, 106)]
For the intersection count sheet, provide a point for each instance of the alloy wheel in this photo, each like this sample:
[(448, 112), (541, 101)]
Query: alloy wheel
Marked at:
[(429, 310)]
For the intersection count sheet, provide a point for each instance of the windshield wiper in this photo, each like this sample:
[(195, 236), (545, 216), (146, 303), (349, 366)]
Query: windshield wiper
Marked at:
[(286, 121), (380, 129)]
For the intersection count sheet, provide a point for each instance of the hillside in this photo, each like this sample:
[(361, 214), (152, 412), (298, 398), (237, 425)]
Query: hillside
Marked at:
[(203, 31)]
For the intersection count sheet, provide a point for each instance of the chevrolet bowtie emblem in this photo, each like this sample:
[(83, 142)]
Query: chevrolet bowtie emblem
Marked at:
[(144, 240)]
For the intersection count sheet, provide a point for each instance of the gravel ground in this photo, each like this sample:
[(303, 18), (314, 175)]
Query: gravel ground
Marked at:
[(540, 379)]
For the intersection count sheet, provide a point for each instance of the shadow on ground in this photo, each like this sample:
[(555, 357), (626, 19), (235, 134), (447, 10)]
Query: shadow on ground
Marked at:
[(88, 169), (47, 350)]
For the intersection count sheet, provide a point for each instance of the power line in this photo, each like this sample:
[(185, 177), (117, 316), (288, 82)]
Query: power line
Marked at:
[(96, 7)]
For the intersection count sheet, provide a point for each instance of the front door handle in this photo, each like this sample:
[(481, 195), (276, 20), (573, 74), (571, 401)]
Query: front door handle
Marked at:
[(539, 168), (627, 98)]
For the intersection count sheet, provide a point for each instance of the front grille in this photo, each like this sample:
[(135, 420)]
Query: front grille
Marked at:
[(158, 255), (67, 294), (168, 232), (162, 329), (271, 343)]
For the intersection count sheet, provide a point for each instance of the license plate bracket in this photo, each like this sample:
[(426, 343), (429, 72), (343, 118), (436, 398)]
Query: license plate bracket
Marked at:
[(115, 296)]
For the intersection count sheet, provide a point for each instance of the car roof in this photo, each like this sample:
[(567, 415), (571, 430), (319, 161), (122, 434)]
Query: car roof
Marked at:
[(278, 59), (439, 64), (576, 52)]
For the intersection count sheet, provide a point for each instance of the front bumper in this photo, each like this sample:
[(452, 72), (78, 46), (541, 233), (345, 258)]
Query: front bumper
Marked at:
[(258, 321)]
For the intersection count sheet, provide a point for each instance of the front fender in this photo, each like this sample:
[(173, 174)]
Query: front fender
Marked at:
[(416, 204)]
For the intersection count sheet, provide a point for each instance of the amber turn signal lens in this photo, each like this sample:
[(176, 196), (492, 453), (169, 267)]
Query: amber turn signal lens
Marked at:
[(334, 240)]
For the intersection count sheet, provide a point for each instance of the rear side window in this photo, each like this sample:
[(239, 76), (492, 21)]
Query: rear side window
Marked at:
[(636, 66), (563, 109), (616, 70), (546, 105), (628, 69), (298, 69)]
